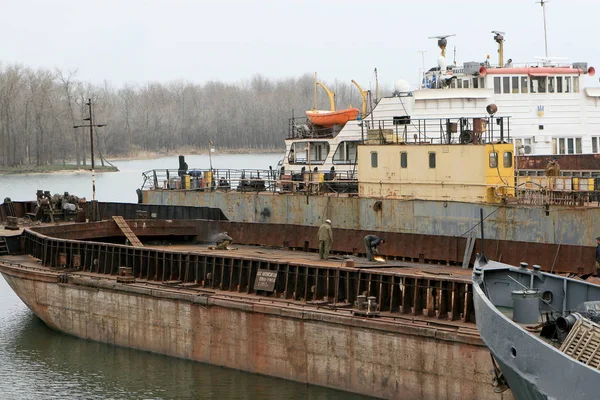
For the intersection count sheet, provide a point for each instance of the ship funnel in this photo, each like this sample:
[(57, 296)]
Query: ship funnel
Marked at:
[(483, 71)]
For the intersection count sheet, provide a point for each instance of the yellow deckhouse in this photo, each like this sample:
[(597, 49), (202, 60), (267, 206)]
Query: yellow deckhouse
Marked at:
[(464, 159)]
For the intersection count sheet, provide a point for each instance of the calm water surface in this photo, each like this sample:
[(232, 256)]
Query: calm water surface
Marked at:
[(39, 363)]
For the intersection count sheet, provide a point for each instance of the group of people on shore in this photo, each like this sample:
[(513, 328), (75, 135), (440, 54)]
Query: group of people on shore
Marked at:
[(325, 237)]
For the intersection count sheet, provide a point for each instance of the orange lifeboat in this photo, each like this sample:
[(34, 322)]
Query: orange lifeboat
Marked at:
[(328, 119)]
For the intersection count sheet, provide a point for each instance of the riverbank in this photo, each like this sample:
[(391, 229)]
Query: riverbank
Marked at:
[(136, 155), (189, 151), (37, 169)]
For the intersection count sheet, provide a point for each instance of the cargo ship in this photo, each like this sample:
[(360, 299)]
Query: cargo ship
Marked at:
[(419, 189)]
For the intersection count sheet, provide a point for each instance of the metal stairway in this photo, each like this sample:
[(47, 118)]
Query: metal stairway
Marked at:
[(3, 246), (122, 224)]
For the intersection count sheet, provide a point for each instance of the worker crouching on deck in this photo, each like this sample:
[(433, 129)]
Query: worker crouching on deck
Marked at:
[(371, 244), (223, 240), (325, 237)]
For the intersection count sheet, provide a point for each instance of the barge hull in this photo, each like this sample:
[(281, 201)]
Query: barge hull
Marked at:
[(311, 346)]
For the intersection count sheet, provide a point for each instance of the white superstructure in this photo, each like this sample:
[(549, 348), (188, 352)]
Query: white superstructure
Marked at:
[(550, 109)]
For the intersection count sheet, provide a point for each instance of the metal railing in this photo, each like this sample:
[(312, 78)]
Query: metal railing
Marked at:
[(251, 180), (458, 130)]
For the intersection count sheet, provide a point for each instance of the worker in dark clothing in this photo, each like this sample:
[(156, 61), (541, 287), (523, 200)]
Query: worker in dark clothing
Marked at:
[(325, 236), (371, 243), (598, 256), (223, 240)]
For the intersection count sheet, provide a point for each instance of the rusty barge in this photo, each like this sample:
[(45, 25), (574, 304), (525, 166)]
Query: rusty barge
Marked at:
[(400, 330)]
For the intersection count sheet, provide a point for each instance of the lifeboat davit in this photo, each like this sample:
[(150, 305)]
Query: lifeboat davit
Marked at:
[(328, 119)]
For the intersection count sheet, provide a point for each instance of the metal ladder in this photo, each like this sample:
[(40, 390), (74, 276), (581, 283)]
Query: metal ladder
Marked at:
[(3, 246), (122, 224)]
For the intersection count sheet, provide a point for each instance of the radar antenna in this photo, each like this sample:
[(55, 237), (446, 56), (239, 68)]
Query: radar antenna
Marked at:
[(499, 38), (442, 42)]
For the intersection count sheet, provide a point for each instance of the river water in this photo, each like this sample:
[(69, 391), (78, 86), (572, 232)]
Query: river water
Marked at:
[(38, 363)]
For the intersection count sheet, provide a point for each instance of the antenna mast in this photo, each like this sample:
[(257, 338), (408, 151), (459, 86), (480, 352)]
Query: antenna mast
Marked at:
[(376, 87), (543, 4)]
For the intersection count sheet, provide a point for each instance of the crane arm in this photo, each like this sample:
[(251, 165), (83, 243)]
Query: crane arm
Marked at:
[(363, 94), (330, 94)]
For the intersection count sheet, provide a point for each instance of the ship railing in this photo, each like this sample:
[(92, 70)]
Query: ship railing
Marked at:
[(557, 190), (456, 130), (251, 180)]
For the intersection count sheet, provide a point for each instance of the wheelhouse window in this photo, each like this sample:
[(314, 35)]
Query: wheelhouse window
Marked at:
[(575, 84), (431, 160), (465, 83), (559, 84), (475, 83), (497, 88), (403, 159), (551, 84), (524, 84), (508, 159), (345, 153), (595, 144), (373, 159), (515, 84), (506, 84), (568, 88), (493, 160), (538, 84)]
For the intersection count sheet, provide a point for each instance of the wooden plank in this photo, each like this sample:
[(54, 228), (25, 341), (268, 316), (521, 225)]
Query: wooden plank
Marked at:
[(122, 224)]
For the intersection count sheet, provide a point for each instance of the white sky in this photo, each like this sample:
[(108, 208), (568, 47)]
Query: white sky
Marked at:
[(231, 40)]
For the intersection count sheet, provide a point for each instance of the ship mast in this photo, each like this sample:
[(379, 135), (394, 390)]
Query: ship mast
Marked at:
[(543, 4)]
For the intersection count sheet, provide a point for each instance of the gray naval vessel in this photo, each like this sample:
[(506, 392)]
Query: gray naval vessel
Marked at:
[(543, 331)]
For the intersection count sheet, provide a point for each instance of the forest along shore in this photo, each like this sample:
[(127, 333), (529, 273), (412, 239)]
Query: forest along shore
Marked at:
[(37, 169)]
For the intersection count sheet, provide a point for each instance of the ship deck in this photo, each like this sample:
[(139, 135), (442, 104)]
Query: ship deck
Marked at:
[(393, 320), (334, 261)]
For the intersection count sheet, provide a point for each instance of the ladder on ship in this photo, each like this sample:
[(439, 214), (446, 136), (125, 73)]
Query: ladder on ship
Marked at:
[(10, 207), (122, 224), (3, 246)]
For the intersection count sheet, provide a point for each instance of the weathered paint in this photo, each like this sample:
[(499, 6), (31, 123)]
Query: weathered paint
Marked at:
[(567, 162), (47, 241), (458, 172), (400, 361), (556, 224)]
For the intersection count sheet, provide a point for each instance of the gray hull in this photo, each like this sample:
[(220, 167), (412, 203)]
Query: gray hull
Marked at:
[(533, 369)]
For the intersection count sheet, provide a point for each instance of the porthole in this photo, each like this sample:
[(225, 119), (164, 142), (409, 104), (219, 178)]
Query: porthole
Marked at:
[(513, 352), (547, 296)]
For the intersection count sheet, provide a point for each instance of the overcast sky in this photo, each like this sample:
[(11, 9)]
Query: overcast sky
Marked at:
[(138, 41)]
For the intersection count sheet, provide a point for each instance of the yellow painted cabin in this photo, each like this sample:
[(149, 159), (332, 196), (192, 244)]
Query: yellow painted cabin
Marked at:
[(471, 172)]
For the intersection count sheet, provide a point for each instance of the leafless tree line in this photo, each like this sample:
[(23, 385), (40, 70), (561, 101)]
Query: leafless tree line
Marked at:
[(38, 109)]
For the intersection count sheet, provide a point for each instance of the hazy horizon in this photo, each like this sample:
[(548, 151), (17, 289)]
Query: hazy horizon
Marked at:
[(137, 41)]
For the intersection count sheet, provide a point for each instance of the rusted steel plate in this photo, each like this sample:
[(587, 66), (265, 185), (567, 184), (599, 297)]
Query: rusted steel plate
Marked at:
[(436, 248), (555, 257), (567, 162)]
